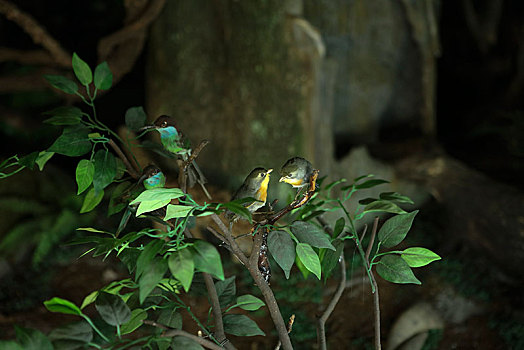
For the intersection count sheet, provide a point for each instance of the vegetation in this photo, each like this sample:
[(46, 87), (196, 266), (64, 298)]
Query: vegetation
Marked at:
[(145, 308)]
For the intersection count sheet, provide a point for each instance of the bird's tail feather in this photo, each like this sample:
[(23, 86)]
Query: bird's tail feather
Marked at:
[(195, 175)]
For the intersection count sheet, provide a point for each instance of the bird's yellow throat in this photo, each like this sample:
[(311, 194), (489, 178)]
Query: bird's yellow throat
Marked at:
[(262, 191)]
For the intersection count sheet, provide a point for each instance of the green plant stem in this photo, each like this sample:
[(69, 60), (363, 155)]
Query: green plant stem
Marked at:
[(136, 341), (95, 328), (359, 246), (197, 321)]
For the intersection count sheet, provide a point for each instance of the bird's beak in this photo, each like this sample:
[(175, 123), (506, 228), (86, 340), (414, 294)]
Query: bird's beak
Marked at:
[(269, 170), (282, 179), (147, 127)]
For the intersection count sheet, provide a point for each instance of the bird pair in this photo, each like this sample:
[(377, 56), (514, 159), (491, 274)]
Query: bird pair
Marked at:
[(296, 171), (174, 142)]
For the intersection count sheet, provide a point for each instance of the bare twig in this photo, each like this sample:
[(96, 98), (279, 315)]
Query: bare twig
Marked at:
[(149, 14), (194, 154), (217, 312), (130, 169), (36, 31), (376, 300), (252, 267), (32, 57), (321, 325), (170, 333), (289, 329), (372, 239)]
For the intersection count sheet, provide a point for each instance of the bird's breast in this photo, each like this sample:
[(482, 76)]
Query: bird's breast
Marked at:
[(262, 191)]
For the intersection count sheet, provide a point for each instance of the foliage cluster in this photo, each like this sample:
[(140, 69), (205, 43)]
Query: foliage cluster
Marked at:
[(145, 308)]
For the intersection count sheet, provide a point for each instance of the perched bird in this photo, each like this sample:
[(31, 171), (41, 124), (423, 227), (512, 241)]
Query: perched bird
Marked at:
[(255, 185), (297, 172), (153, 177), (174, 141)]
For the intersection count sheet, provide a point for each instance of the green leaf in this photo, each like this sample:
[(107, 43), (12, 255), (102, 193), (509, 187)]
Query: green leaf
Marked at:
[(370, 183), (105, 169), (241, 325), (207, 259), (182, 267), (177, 211), (136, 320), (181, 342), (418, 256), (84, 175), (382, 206), (159, 194), (151, 276), (29, 160), (394, 269), (306, 232), (339, 227), (43, 158), (82, 70), (71, 336), (65, 115), (309, 258), (249, 302), (239, 209), (116, 201), (394, 196), (91, 200), (73, 142), (147, 206), (62, 83), (282, 248), (147, 256), (103, 76), (395, 229), (135, 118), (170, 318), (32, 339), (303, 269), (10, 345), (62, 306), (226, 291), (331, 258), (112, 309)]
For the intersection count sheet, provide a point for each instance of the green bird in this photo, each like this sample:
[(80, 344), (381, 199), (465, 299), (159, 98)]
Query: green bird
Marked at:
[(153, 177), (255, 185), (174, 141), (297, 172)]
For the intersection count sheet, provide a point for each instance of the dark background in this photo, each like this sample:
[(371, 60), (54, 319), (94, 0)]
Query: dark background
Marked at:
[(478, 110)]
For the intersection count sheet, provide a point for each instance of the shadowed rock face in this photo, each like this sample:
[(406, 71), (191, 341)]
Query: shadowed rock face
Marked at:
[(265, 81)]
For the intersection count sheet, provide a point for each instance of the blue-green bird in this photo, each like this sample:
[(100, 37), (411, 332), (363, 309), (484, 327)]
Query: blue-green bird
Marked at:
[(153, 177), (174, 141)]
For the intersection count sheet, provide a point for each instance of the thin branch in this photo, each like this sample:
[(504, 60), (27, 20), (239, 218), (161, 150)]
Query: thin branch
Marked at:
[(130, 169), (266, 291), (194, 154), (372, 239), (376, 300), (217, 312), (235, 248), (149, 14), (170, 333), (321, 325), (289, 329), (36, 31), (31, 57)]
